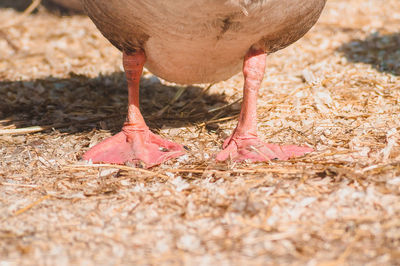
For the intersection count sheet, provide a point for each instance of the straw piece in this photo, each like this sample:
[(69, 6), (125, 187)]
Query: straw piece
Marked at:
[(33, 204), (27, 12)]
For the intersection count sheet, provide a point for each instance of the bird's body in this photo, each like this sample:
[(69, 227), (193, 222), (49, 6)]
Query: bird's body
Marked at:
[(201, 41), (197, 41)]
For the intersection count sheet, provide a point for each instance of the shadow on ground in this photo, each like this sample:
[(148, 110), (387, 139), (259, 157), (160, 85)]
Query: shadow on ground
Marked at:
[(79, 103), (382, 52), (21, 5)]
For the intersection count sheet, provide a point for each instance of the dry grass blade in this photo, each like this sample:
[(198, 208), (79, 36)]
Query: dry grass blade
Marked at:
[(122, 167), (9, 41), (190, 103), (35, 129), (178, 94), (239, 171), (218, 120), (33, 204), (224, 106), (18, 185), (26, 130), (19, 19)]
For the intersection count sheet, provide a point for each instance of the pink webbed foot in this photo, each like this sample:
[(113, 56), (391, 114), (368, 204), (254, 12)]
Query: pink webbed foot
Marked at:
[(134, 146), (244, 144), (254, 150), (136, 143)]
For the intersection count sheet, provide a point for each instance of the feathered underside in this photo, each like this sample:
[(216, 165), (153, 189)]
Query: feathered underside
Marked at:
[(201, 41)]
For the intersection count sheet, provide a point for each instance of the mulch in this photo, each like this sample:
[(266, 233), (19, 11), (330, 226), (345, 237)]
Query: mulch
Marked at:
[(336, 90)]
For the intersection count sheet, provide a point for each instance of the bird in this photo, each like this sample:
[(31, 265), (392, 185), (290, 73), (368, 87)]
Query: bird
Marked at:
[(192, 42)]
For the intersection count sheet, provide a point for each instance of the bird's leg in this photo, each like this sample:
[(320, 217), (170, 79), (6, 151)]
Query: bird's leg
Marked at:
[(244, 143), (135, 143)]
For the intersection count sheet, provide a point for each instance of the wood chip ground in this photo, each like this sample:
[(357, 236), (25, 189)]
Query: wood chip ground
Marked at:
[(337, 90)]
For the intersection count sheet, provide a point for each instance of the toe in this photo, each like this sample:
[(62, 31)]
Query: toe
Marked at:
[(255, 150), (229, 152), (165, 144), (255, 154), (114, 149), (156, 157), (291, 151)]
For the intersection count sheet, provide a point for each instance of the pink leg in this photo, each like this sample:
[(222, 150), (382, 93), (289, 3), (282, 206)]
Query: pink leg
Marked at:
[(136, 143), (244, 143)]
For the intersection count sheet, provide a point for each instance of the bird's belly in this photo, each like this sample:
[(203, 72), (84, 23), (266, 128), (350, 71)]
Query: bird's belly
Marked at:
[(194, 61), (205, 45), (194, 41)]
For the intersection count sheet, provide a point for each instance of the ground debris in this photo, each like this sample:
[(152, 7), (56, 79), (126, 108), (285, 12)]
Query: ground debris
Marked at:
[(336, 90)]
